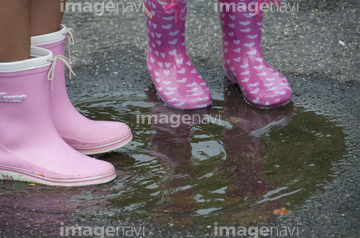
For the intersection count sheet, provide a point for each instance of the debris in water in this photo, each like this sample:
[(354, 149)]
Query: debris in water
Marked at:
[(281, 212)]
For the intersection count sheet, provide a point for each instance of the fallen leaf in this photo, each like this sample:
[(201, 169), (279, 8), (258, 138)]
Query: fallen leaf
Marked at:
[(284, 212), (32, 184), (281, 212), (277, 212)]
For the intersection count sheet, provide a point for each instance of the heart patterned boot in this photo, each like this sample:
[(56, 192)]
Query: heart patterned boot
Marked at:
[(262, 85), (87, 136), (176, 80), (31, 149)]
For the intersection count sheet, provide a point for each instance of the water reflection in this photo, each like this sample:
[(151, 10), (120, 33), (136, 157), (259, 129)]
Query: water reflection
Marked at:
[(180, 200), (244, 153), (171, 145), (42, 209), (234, 171)]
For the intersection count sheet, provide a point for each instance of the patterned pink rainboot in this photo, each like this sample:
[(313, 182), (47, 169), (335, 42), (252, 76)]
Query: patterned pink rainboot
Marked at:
[(87, 136), (261, 84), (31, 149), (176, 80)]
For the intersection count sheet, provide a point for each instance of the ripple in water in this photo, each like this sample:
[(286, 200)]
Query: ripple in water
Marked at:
[(232, 164)]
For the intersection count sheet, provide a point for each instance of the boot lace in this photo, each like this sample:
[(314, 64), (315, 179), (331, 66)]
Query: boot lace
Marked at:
[(71, 36), (169, 8), (53, 61)]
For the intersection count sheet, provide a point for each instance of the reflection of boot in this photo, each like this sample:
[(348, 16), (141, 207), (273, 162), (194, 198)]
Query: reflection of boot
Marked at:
[(243, 163), (261, 84), (244, 159), (175, 127), (172, 146), (44, 208), (252, 120), (176, 80), (86, 136), (171, 143), (31, 150), (244, 152)]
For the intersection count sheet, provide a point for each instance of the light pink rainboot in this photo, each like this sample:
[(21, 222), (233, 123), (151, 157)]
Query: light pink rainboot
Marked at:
[(176, 80), (261, 84), (87, 136), (31, 149)]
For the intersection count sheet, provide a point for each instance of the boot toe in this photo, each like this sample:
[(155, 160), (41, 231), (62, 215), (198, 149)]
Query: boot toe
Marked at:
[(269, 97), (101, 137), (184, 99)]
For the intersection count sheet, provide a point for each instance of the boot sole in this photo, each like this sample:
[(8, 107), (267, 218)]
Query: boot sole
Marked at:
[(195, 107), (22, 176), (233, 80), (105, 148)]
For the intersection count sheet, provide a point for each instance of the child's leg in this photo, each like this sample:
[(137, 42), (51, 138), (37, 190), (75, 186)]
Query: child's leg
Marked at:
[(86, 136), (15, 30), (31, 149), (46, 16)]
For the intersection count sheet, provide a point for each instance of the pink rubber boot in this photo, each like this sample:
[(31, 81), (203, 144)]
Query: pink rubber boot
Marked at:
[(176, 80), (87, 136), (31, 149), (261, 84)]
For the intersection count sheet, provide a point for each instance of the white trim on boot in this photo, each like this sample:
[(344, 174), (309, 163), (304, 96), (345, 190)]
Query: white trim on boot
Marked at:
[(39, 58), (49, 38)]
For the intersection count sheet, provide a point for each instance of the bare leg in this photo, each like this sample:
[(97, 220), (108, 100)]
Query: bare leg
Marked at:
[(46, 16), (15, 17)]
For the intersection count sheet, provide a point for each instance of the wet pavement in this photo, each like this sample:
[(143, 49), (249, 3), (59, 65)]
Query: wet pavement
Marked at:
[(232, 165)]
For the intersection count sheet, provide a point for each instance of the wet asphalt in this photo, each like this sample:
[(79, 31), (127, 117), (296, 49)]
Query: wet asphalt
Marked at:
[(317, 48)]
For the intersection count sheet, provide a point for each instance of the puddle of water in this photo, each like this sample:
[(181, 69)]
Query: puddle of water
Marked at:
[(233, 168)]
